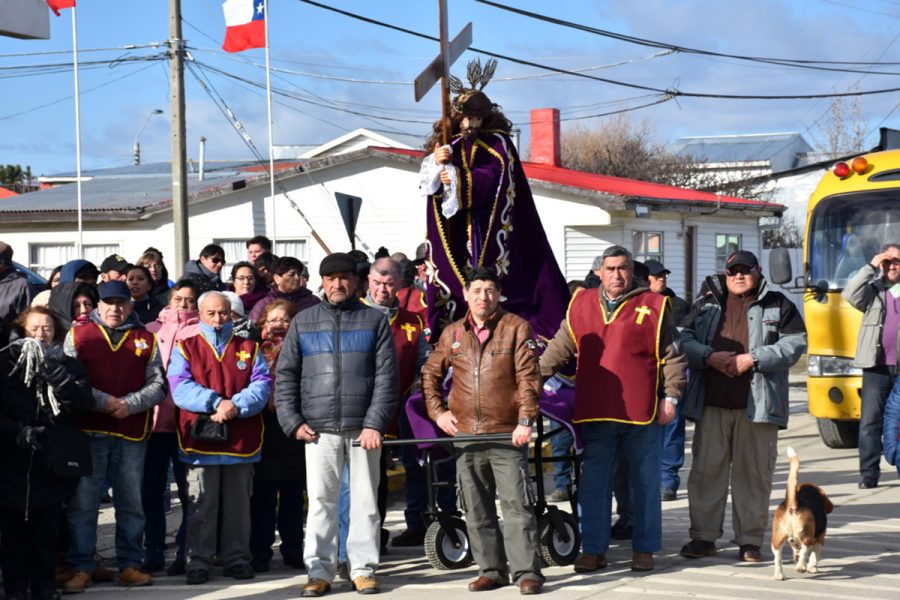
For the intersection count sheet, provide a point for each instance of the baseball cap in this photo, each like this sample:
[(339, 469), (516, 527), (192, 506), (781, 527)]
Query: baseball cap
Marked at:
[(742, 257), (112, 290), (339, 262), (114, 262), (656, 268)]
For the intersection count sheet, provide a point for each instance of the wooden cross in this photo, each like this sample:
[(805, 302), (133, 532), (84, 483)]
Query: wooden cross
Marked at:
[(439, 68), (642, 312)]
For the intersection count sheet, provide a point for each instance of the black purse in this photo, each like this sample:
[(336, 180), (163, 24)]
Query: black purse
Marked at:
[(207, 430), (68, 451)]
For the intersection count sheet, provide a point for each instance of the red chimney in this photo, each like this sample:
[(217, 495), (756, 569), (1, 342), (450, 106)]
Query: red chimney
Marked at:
[(545, 136)]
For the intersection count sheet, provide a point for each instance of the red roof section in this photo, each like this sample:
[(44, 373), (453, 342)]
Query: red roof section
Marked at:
[(611, 185), (5, 193)]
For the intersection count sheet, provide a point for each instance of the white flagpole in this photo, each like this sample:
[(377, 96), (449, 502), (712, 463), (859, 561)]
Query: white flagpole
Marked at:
[(271, 150), (80, 245)]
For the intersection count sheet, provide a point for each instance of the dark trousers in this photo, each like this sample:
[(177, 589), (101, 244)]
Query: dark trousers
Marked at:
[(276, 503), (28, 550), (876, 386), (673, 450), (622, 489), (416, 481), (162, 449)]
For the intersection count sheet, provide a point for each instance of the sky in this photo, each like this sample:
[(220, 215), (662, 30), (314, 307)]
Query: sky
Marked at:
[(342, 74)]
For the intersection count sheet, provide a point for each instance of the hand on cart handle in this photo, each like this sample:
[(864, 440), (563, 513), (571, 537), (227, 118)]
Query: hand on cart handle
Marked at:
[(369, 439), (521, 435)]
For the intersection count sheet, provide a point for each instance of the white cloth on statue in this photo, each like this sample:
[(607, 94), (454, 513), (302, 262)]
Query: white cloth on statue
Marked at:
[(430, 182)]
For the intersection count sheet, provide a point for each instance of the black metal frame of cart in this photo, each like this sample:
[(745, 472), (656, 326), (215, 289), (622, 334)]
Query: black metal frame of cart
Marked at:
[(446, 540)]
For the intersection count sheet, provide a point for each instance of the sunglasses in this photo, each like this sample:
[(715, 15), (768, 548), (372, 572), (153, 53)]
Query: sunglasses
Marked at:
[(734, 271), (217, 260)]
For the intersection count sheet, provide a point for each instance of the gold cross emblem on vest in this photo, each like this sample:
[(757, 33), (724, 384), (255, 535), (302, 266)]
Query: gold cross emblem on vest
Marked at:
[(642, 312), (409, 328), (243, 355)]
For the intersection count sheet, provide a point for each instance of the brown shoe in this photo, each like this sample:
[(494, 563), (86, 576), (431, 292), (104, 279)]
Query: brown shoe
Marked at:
[(588, 563), (365, 584), (315, 587), (528, 587), (749, 553), (641, 561), (484, 584), (102, 574), (63, 574), (134, 577), (77, 583)]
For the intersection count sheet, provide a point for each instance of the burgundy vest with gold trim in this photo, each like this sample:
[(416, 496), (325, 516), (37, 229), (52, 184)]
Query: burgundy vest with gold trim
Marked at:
[(406, 328), (117, 371), (618, 357), (227, 375)]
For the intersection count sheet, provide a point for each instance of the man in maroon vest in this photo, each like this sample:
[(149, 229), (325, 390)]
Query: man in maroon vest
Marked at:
[(128, 380), (220, 384), (629, 379), (409, 333)]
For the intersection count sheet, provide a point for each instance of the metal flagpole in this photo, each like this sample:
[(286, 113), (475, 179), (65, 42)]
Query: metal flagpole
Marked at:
[(79, 249), (271, 150)]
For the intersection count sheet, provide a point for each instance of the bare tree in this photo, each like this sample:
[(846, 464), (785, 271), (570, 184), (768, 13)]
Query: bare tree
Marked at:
[(788, 235), (844, 129)]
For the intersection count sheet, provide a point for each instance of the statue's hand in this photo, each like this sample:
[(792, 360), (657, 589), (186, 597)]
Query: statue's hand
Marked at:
[(441, 155)]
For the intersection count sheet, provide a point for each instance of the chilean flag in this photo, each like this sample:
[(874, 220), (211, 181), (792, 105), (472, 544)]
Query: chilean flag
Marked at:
[(55, 5), (245, 25)]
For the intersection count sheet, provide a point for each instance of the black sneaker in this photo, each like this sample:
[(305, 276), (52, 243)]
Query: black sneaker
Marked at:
[(668, 494), (698, 549), (408, 539), (621, 530), (197, 576), (241, 571), (176, 568), (867, 483), (260, 566), (294, 562), (151, 566)]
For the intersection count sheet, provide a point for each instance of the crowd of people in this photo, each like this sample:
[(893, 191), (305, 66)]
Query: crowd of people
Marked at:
[(255, 393)]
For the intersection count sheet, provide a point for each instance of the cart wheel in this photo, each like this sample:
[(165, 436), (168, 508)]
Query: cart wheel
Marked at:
[(554, 551), (440, 550)]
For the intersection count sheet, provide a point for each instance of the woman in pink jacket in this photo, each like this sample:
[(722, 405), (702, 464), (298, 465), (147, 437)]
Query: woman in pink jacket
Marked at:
[(177, 321)]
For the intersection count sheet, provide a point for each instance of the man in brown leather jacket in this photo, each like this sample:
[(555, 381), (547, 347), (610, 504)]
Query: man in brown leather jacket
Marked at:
[(496, 382)]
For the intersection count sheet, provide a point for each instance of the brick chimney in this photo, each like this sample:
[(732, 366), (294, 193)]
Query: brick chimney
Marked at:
[(545, 136)]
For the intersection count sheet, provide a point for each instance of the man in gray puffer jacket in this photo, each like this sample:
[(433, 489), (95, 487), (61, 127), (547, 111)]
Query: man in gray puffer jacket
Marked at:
[(337, 382)]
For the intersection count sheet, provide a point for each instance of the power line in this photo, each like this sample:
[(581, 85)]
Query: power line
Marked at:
[(664, 92), (797, 63), (83, 50)]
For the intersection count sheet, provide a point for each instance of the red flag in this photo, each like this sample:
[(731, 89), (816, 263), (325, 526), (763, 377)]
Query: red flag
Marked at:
[(56, 5), (245, 25)]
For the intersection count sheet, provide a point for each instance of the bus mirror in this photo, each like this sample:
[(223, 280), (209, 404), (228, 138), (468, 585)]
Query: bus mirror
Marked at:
[(780, 266)]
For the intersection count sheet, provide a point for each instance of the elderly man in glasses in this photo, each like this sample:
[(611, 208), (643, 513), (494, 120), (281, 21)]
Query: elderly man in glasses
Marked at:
[(740, 339), (206, 271)]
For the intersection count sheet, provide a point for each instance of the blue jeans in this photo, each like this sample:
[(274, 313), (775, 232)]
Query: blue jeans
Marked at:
[(344, 514), (561, 444), (123, 462), (876, 387), (642, 444), (162, 450), (673, 450)]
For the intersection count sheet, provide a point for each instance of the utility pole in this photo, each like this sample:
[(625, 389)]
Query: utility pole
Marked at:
[(179, 147)]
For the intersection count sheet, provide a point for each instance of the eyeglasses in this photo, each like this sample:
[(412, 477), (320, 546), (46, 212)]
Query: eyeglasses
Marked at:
[(248, 278), (277, 321), (735, 271)]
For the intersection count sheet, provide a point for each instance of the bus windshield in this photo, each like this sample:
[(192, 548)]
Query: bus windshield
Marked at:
[(847, 230)]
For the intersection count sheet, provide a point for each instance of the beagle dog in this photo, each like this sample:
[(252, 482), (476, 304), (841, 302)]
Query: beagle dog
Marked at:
[(800, 521)]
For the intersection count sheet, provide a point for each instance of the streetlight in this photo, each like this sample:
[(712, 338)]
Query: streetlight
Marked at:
[(137, 146)]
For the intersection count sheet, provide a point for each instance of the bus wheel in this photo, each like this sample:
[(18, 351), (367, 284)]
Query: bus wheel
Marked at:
[(839, 434)]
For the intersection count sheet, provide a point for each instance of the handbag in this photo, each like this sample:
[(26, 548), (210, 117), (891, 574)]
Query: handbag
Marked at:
[(68, 451), (207, 430)]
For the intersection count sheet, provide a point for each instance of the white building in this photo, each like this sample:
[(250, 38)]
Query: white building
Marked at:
[(127, 210)]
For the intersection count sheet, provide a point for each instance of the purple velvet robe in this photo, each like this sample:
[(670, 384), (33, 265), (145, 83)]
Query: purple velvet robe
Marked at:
[(496, 226)]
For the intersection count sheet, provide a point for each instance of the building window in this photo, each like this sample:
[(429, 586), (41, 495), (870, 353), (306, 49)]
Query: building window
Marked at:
[(647, 245), (726, 243), (43, 258)]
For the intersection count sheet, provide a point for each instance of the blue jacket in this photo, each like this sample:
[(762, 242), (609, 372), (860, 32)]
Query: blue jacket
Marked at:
[(891, 433), (190, 395)]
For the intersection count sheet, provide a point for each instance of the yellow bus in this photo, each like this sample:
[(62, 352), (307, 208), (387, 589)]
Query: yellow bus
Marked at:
[(853, 212)]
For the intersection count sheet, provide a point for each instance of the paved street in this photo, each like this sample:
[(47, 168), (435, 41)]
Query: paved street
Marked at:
[(861, 556)]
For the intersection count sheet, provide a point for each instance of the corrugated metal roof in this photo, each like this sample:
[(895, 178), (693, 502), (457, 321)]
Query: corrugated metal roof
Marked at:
[(740, 148)]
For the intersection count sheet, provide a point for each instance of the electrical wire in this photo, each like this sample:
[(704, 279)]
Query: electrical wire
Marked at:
[(84, 50), (667, 92)]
